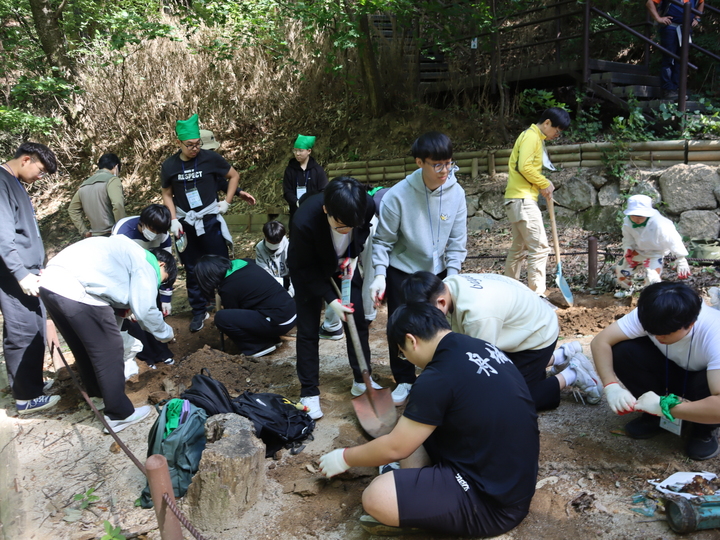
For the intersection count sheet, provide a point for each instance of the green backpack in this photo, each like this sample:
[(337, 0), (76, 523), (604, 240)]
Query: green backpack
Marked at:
[(179, 435)]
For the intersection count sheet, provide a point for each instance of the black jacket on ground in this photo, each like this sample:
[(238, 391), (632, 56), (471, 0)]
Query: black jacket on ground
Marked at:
[(311, 256)]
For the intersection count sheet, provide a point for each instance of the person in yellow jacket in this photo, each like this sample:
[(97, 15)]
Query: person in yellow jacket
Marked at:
[(525, 182)]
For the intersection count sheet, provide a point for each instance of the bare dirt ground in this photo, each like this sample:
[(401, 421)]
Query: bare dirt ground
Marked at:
[(589, 471)]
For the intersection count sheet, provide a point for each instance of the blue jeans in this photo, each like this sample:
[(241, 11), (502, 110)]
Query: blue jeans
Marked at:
[(670, 68)]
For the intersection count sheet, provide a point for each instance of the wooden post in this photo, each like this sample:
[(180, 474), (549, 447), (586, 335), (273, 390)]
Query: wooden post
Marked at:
[(592, 262), (474, 169), (52, 337), (491, 164), (158, 476)]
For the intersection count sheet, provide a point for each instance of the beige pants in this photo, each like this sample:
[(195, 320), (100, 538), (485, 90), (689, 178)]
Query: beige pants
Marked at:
[(529, 241)]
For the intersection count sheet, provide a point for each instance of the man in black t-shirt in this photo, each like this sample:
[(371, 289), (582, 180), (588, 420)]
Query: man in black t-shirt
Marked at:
[(189, 191), (468, 437)]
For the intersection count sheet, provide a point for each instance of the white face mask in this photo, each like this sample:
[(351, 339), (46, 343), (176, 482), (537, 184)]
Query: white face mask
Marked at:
[(271, 247), (148, 234)]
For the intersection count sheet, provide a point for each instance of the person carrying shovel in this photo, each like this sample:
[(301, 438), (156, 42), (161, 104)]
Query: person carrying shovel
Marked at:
[(326, 236), (525, 183), (468, 438)]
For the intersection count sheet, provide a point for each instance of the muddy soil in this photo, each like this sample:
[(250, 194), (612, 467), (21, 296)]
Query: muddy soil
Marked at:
[(589, 471)]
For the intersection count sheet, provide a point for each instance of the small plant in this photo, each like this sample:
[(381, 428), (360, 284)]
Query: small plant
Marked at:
[(87, 498), (111, 533), (587, 125), (534, 101), (636, 127)]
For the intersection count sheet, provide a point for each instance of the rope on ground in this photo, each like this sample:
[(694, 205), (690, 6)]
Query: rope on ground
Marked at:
[(175, 510), (599, 252)]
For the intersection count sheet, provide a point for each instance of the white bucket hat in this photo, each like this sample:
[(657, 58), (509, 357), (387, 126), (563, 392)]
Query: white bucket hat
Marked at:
[(640, 205)]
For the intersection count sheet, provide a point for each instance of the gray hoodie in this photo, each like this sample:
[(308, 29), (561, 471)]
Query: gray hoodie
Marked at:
[(415, 222)]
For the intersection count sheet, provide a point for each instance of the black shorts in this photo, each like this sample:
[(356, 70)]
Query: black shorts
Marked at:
[(432, 498)]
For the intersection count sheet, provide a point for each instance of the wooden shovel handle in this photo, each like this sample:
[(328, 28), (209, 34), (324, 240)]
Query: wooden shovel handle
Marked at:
[(556, 244), (354, 337)]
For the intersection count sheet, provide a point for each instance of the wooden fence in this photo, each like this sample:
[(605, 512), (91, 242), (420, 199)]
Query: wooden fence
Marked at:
[(650, 154)]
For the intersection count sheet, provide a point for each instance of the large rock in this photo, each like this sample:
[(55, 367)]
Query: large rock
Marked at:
[(576, 194), (492, 199), (597, 180), (231, 475), (701, 224), (609, 195), (472, 204), (563, 217), (689, 187), (480, 222), (646, 187), (602, 219)]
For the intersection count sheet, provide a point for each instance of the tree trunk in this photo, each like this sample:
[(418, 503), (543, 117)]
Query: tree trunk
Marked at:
[(52, 38), (369, 68)]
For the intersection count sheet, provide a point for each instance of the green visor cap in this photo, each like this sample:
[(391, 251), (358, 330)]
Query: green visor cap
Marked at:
[(189, 129), (304, 142)]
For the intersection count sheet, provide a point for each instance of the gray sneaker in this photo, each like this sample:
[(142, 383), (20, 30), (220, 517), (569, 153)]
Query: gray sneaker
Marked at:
[(587, 379)]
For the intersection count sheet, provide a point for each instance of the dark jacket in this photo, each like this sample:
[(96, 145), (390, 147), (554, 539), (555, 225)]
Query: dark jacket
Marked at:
[(313, 178), (311, 256)]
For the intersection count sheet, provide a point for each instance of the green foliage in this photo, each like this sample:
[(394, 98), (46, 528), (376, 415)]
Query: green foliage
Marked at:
[(87, 498), (32, 90), (111, 533), (636, 127), (689, 124), (587, 125), (18, 122), (533, 102)]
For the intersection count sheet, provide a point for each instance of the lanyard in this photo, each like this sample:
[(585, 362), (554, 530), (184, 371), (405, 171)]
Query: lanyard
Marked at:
[(427, 202), (182, 164), (306, 174), (667, 366)]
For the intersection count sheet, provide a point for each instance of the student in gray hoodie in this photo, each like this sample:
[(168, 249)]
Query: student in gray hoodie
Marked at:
[(422, 227)]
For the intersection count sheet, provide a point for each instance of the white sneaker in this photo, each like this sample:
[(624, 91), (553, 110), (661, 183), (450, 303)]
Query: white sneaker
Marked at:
[(569, 350), (313, 406), (263, 352), (400, 394), (587, 379), (118, 425), (358, 388)]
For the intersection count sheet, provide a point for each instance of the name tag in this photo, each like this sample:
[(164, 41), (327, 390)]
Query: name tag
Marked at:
[(673, 427), (300, 191), (193, 198)]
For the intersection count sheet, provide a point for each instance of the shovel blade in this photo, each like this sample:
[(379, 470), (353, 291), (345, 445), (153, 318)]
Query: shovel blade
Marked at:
[(564, 287), (376, 411)]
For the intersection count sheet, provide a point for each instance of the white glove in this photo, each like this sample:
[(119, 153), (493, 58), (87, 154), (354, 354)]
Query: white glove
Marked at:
[(620, 400), (175, 228), (649, 402), (333, 463), (166, 308), (340, 310), (30, 285), (683, 268), (377, 289), (348, 266), (223, 207)]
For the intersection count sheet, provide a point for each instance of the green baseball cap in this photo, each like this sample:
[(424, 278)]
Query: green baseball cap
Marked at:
[(188, 129), (305, 142)]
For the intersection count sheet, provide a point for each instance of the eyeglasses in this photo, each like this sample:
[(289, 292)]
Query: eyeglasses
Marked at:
[(299, 150), (42, 172), (194, 146), (440, 167)]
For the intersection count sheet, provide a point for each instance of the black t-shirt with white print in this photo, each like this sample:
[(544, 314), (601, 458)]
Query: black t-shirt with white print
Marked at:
[(200, 173)]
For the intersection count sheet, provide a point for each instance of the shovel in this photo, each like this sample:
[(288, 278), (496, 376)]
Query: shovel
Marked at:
[(559, 279), (375, 409)]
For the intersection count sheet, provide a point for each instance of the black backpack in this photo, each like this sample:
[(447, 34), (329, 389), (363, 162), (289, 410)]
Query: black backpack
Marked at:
[(278, 422), (209, 394), (182, 448)]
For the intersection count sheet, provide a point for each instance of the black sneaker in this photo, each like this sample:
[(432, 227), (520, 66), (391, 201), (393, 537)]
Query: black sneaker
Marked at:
[(702, 444), (333, 335), (198, 322), (643, 427)]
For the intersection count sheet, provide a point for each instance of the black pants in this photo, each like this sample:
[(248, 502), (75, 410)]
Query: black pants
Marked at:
[(210, 243), (402, 370), (250, 331), (93, 335), (642, 367), (308, 326), (544, 390), (153, 351), (23, 339)]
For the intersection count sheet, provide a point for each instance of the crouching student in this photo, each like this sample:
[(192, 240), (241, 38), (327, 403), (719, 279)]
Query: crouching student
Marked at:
[(82, 287), (667, 354), (271, 254), (647, 237), (150, 230), (256, 309), (506, 313), (465, 472)]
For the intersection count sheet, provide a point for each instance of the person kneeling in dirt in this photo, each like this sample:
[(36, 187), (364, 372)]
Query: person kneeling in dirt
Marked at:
[(326, 237), (506, 313), (150, 230), (465, 471), (670, 343), (82, 287), (647, 238), (256, 309)]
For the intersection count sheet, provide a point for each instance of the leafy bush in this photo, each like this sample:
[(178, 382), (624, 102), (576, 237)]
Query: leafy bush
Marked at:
[(533, 102)]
